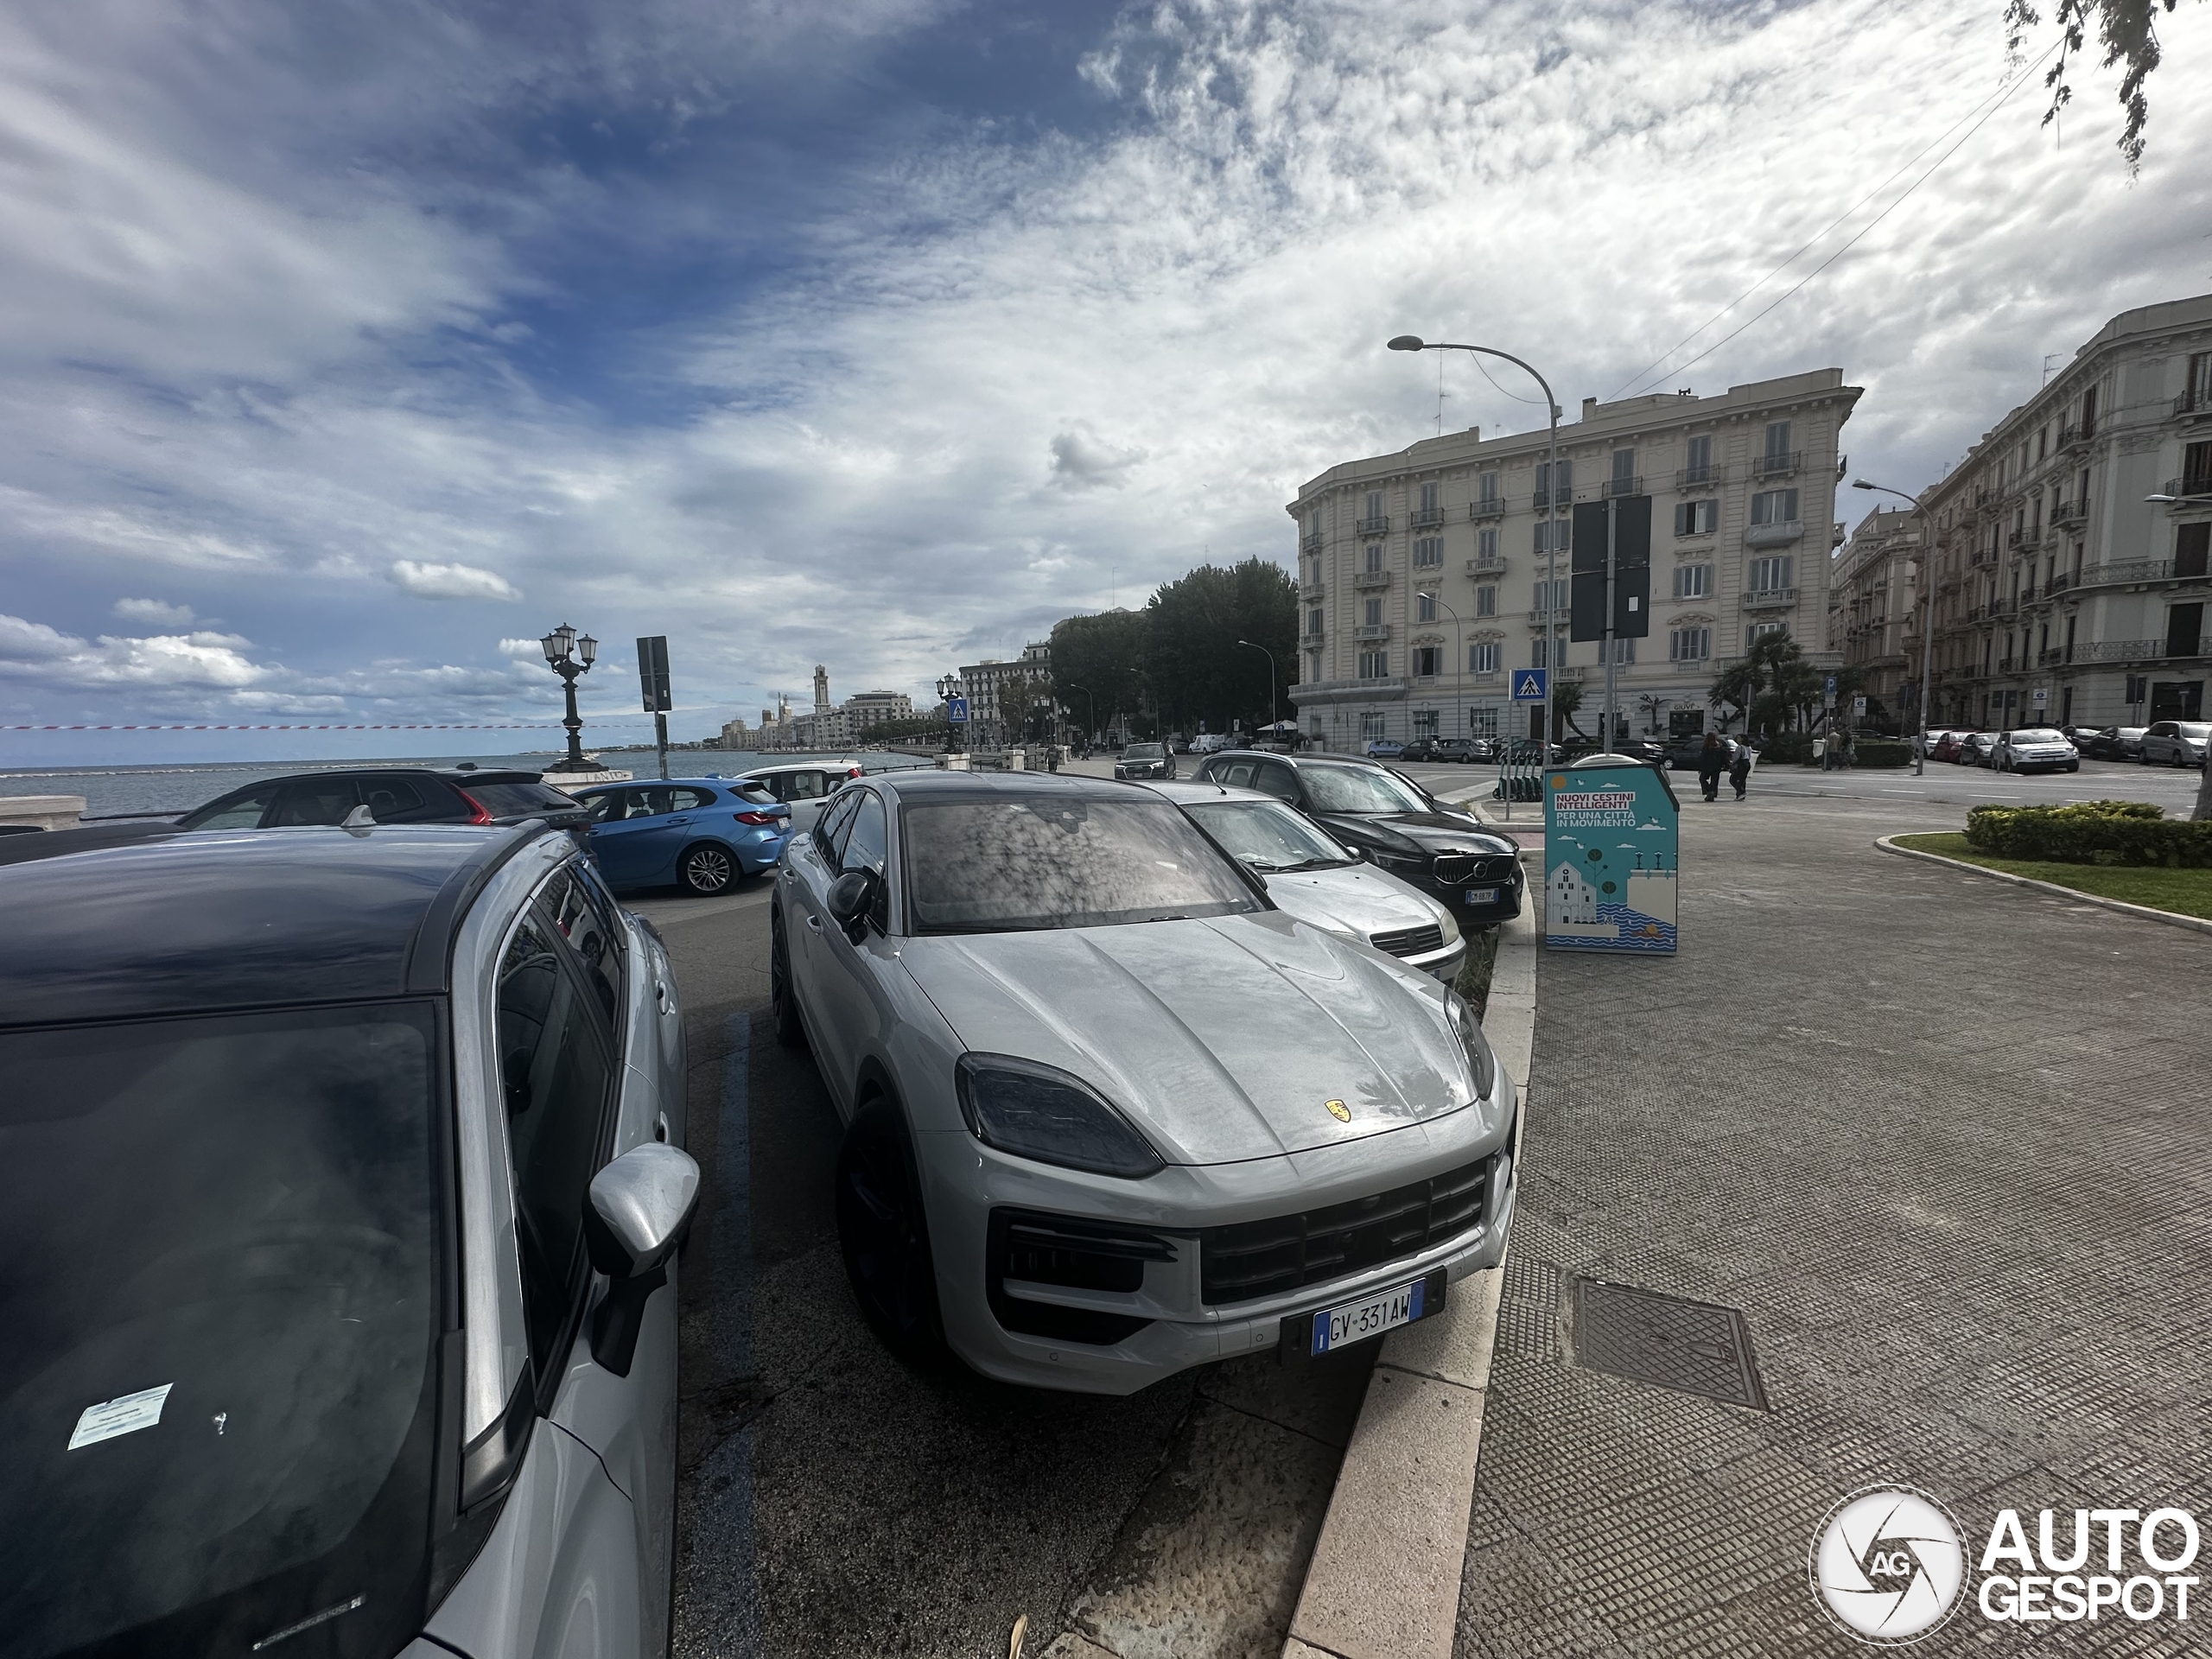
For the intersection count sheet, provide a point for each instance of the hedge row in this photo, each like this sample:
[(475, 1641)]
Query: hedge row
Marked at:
[(2090, 832)]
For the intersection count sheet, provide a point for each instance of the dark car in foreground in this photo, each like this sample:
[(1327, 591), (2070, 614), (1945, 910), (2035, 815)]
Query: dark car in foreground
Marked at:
[(340, 1182), (701, 834), (1145, 760), (461, 794), (1443, 851)]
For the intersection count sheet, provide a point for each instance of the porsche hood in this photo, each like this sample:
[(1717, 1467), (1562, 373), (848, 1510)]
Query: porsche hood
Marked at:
[(1225, 1039)]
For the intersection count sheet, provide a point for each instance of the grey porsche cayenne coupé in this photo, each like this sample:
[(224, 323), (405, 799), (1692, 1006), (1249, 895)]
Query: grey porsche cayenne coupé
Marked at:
[(1108, 1112)]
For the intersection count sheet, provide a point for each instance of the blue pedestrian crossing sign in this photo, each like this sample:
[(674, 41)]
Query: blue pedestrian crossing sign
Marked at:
[(1528, 685), (956, 710)]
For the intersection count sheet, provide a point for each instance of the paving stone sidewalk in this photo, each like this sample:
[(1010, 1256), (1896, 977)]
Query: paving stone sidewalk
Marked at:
[(1944, 1143)]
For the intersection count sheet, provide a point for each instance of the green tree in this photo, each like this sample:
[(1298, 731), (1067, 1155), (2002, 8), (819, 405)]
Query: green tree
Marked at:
[(1198, 671), (1567, 703), (2127, 29), (1104, 654)]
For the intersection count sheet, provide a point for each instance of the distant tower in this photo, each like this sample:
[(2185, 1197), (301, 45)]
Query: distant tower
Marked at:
[(820, 689)]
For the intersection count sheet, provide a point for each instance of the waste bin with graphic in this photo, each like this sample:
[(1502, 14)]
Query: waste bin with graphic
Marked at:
[(1612, 851)]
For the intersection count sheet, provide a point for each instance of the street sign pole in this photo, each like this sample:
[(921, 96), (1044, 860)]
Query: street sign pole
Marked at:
[(1606, 643), (652, 680)]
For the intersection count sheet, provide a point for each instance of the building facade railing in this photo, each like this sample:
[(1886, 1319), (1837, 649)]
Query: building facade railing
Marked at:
[(1427, 519), (1697, 478), (1490, 507), (1378, 525), (1367, 579), (1631, 485), (1778, 464), (1769, 599)]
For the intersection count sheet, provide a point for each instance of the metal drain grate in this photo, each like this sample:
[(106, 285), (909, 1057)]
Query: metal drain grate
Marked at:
[(1692, 1347), (1528, 1321)]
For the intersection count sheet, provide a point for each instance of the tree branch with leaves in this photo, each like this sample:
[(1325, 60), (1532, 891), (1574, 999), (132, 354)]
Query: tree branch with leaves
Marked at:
[(2126, 28)]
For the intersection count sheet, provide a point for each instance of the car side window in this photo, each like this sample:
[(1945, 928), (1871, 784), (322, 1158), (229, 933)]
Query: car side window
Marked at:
[(394, 800), (317, 801), (607, 806), (243, 811), (689, 800), (803, 786), (832, 826), (1237, 774), (865, 849), (1276, 779), (557, 1073), (585, 916), (653, 802)]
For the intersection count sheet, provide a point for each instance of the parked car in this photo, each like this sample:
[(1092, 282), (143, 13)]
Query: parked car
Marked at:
[(2034, 748), (1145, 760), (1978, 749), (805, 786), (1384, 748), (1445, 852), (1319, 880), (701, 834), (2175, 743), (2111, 743), (1683, 749), (1013, 985), (1460, 751), (1951, 745), (1210, 742), (1420, 749), (340, 1243), (461, 794)]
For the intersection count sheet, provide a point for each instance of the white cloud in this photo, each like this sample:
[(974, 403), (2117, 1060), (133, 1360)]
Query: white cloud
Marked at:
[(526, 650), (212, 660), (1081, 461), (154, 612), (451, 580)]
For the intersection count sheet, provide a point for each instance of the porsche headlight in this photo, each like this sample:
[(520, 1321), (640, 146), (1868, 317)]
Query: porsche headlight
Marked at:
[(1041, 1112), (1451, 927), (1478, 1046)]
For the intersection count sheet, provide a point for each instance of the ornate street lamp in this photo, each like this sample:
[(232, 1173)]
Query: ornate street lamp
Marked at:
[(571, 655), (950, 686)]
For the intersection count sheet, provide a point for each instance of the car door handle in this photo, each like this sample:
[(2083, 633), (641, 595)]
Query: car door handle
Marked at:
[(814, 922), (676, 820)]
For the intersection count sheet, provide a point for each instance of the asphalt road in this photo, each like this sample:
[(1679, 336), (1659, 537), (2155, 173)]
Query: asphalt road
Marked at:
[(832, 1502)]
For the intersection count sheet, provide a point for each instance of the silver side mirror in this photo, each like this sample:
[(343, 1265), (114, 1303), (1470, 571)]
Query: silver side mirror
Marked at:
[(635, 1215)]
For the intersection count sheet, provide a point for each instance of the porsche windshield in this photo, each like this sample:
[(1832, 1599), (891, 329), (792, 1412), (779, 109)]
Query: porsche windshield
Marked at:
[(221, 1301), (1061, 860)]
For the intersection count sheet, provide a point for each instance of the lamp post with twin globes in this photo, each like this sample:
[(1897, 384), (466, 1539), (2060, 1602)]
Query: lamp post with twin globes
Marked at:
[(571, 655)]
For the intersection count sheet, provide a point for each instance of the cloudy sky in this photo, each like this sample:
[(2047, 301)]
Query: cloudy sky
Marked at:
[(350, 346)]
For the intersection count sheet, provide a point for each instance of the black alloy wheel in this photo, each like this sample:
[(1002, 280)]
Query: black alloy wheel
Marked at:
[(782, 1003), (706, 870), (884, 1234)]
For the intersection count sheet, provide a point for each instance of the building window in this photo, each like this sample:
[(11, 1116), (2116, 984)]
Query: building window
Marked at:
[(1425, 722), (1425, 661), (1624, 471), (1486, 599), (1484, 656), (1775, 506), (2196, 469), (1758, 631), (1428, 549), (1371, 613), (1486, 544), (1374, 504), (1314, 622), (1428, 501), (1699, 469), (1544, 480), (1624, 653), (1424, 608), (1370, 727), (1549, 530), (1549, 596), (1374, 664), (1777, 442), (1539, 653), (1374, 558), (1482, 722), (1486, 487), (1699, 518), (1770, 576), (1693, 581), (1689, 645)]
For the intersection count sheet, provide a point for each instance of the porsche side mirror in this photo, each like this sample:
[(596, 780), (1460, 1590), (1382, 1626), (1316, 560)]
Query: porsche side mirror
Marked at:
[(850, 895), (1359, 854), (635, 1213)]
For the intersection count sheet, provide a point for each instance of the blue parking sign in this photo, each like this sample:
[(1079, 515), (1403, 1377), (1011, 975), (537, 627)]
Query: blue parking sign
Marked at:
[(1528, 685)]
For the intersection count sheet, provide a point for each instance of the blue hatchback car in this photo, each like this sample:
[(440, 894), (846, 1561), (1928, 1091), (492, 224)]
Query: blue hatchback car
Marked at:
[(701, 834)]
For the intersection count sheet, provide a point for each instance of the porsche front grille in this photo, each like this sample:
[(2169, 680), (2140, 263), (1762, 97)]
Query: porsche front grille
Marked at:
[(1265, 1258)]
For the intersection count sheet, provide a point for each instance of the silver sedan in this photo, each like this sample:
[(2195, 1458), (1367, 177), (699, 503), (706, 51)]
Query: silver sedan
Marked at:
[(1110, 1112), (1319, 880)]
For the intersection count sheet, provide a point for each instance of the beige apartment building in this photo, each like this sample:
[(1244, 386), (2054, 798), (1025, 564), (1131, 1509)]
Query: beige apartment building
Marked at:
[(998, 691), (1874, 596), (1422, 574), (2064, 593)]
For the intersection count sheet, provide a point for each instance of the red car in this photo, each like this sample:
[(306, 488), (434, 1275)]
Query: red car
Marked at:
[(1948, 744)]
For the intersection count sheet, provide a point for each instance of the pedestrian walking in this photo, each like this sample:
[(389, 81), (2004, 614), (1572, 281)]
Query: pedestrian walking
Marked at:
[(1711, 762), (1739, 769)]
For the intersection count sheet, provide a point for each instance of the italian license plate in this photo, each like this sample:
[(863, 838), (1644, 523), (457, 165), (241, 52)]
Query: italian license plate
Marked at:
[(1336, 1327), (1482, 895)]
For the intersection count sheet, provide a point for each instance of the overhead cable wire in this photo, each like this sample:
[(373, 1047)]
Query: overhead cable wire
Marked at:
[(1978, 114)]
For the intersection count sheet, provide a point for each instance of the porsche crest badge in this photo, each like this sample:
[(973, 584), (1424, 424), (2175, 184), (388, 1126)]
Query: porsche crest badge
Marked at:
[(1338, 1111)]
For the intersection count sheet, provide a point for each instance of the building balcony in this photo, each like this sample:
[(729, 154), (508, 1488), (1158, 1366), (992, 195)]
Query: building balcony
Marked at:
[(1699, 478), (1367, 631), (1542, 500), (1427, 519), (1378, 526), (1632, 485), (2122, 651), (1777, 466), (1310, 542), (2072, 437), (2197, 485), (2004, 665), (1770, 599), (2051, 656), (1488, 507), (2063, 513), (1312, 590), (1774, 534), (2031, 536), (1493, 564), (1983, 557), (1366, 579), (2195, 405)]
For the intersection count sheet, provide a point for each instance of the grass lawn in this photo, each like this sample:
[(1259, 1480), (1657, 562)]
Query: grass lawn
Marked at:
[(2188, 892)]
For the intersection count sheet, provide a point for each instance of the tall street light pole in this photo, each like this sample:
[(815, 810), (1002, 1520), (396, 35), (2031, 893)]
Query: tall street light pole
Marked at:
[(1415, 343), (571, 655), (1927, 616), (1270, 655), (1458, 673), (1091, 710)]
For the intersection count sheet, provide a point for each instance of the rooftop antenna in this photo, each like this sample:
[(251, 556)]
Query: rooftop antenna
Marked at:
[(2048, 357)]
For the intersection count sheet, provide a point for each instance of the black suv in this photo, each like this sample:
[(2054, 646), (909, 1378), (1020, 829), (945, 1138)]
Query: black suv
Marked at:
[(1447, 853), (393, 795)]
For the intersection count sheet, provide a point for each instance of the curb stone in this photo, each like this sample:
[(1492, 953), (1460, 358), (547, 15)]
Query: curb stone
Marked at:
[(1384, 1582), (2151, 913)]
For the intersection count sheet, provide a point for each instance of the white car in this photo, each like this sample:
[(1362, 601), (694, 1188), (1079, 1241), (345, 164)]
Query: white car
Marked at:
[(2175, 743), (2035, 748), (1109, 1111), (1322, 881)]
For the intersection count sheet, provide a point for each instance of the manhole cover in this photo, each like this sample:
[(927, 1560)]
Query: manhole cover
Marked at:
[(1695, 1347)]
